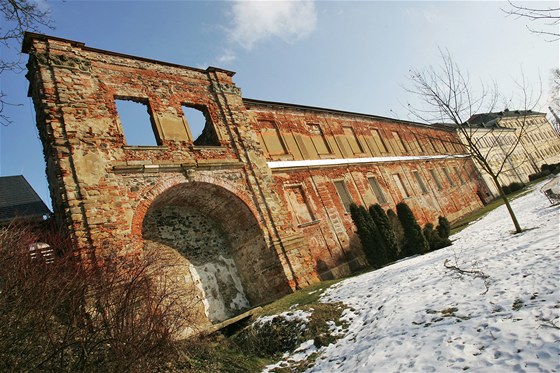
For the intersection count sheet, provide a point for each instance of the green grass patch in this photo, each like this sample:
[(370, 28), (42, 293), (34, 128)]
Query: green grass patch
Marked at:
[(258, 345), (463, 222), (302, 297)]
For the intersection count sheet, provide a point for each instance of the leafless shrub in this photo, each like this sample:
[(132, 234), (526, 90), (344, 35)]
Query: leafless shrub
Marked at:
[(61, 315)]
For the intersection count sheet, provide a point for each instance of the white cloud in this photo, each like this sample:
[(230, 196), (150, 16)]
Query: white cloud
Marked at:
[(256, 21), (227, 56)]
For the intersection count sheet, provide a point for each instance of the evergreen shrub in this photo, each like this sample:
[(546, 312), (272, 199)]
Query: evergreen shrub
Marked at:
[(372, 244), (386, 231), (397, 230), (415, 242)]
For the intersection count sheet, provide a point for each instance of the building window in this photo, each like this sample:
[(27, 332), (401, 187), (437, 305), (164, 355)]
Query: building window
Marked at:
[(400, 144), (353, 141), (434, 176), (420, 147), (299, 204), (202, 131), (319, 140), (376, 188), (448, 176), (400, 185), (344, 195), (137, 122), (459, 175), (379, 141), (420, 182), (271, 138)]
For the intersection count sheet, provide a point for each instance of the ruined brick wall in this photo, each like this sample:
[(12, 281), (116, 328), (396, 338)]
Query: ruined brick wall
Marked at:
[(245, 225), (309, 151), (103, 189)]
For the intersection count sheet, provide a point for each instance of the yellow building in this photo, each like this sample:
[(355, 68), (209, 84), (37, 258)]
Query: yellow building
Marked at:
[(517, 142)]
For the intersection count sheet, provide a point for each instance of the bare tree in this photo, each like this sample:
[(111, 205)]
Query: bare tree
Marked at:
[(546, 18), (554, 107), (18, 16), (446, 96)]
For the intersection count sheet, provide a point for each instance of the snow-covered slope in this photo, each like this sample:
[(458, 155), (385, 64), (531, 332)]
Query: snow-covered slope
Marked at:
[(501, 314)]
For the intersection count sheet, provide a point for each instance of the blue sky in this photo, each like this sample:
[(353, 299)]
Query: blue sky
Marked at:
[(352, 56)]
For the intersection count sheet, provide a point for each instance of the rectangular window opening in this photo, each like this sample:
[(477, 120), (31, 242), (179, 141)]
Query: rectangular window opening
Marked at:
[(319, 141), (202, 131), (420, 182), (272, 140), (434, 176), (400, 144), (353, 141), (400, 185), (136, 121), (344, 195), (299, 204), (379, 140), (377, 191), (448, 176), (459, 175)]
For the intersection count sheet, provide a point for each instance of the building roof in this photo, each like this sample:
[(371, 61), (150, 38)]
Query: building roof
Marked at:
[(19, 200), (491, 119)]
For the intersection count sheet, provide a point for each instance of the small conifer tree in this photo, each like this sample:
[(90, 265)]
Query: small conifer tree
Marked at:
[(369, 236), (444, 227), (430, 234), (386, 231), (415, 242), (397, 230)]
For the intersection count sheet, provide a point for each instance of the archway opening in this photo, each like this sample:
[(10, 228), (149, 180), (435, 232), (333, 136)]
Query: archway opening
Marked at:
[(223, 254)]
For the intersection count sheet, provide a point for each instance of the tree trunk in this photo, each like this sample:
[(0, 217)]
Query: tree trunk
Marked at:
[(508, 206)]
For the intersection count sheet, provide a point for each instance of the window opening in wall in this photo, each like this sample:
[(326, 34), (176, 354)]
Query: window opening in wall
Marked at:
[(420, 182), (271, 138), (434, 176), (202, 130), (448, 176), (352, 139), (137, 122), (401, 145), (299, 204), (447, 145), (420, 147), (319, 140), (398, 180), (379, 140), (459, 175), (344, 195), (376, 188)]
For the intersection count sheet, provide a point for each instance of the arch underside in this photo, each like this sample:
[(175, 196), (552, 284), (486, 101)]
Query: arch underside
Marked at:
[(223, 257)]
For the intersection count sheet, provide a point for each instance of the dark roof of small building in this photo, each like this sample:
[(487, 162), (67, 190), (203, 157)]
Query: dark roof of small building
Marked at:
[(19, 200), (491, 119)]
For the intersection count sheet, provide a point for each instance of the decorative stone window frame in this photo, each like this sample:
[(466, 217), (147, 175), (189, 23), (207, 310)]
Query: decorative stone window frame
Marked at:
[(347, 194), (306, 200)]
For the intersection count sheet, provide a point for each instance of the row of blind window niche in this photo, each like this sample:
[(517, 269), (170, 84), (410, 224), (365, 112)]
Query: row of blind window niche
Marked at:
[(304, 214), (401, 186), (275, 144), (139, 128)]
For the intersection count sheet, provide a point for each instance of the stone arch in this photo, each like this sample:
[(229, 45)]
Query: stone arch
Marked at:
[(223, 253)]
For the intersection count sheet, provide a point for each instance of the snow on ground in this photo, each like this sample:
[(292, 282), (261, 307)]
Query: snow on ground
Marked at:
[(418, 315)]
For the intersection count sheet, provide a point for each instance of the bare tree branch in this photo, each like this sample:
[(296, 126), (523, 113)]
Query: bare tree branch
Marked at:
[(447, 97), (546, 17), (17, 17)]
